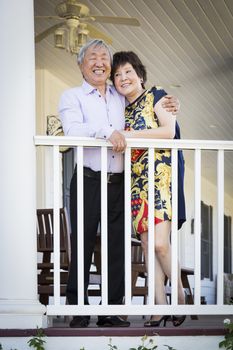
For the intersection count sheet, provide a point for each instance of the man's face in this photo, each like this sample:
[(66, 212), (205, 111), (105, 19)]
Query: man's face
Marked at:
[(96, 66)]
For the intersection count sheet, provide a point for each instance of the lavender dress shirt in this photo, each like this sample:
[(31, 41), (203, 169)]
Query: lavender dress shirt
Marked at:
[(85, 112)]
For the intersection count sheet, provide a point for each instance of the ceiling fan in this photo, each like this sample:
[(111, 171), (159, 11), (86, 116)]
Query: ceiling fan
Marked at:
[(75, 26)]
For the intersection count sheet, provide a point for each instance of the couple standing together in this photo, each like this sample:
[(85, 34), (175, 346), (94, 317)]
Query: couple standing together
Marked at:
[(116, 112)]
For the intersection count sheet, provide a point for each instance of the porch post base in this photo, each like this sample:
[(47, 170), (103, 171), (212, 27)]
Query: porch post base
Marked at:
[(22, 314)]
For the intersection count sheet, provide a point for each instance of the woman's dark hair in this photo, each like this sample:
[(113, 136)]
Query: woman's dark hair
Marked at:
[(122, 57)]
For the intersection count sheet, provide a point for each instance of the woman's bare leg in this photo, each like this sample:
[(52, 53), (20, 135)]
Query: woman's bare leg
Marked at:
[(162, 263), (163, 253), (159, 273), (160, 295)]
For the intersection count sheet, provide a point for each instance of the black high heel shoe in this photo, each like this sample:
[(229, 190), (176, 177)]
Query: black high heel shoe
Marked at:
[(156, 323), (178, 320)]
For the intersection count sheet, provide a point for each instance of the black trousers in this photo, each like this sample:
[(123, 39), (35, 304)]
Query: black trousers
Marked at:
[(92, 215)]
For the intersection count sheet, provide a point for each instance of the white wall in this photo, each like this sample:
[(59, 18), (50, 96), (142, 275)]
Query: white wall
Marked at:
[(48, 91), (122, 343)]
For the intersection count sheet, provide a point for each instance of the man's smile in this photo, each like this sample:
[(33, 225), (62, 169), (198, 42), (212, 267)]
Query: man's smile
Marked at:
[(98, 71)]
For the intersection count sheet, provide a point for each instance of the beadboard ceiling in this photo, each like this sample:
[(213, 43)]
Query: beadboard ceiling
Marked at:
[(187, 47)]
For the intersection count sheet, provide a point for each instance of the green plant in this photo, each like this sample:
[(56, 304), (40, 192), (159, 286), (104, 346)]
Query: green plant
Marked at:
[(37, 342), (143, 346), (111, 347), (147, 344), (227, 343)]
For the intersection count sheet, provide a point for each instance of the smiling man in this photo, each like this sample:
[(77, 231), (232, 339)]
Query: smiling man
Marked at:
[(95, 109)]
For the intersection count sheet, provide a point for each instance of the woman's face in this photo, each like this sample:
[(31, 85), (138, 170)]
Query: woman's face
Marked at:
[(127, 82)]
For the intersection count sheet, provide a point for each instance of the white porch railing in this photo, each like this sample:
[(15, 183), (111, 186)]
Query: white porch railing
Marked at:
[(57, 308)]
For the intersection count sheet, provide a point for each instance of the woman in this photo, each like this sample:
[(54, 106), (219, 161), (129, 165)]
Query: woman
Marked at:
[(145, 118)]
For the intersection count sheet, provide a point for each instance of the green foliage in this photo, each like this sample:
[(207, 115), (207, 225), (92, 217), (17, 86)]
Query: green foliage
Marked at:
[(146, 344), (112, 347), (37, 342), (227, 343)]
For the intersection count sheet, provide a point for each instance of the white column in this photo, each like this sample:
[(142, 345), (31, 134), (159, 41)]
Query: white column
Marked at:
[(19, 307)]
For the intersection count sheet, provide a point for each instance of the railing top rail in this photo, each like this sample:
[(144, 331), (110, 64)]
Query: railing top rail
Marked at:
[(158, 143)]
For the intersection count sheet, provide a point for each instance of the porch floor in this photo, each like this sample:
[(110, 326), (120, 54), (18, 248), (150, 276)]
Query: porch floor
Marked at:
[(205, 325), (59, 326)]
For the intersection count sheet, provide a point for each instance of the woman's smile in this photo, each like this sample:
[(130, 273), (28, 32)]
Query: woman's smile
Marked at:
[(127, 82)]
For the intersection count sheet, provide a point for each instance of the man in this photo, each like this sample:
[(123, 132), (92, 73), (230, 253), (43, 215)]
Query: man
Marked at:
[(95, 109)]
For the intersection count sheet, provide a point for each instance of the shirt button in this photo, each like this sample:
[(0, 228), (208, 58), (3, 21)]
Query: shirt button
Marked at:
[(113, 157), (105, 136), (110, 124)]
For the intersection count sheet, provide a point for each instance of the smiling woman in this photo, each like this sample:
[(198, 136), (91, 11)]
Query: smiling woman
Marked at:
[(145, 118), (127, 82)]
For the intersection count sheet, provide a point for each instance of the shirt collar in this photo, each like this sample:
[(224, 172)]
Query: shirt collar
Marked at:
[(88, 89)]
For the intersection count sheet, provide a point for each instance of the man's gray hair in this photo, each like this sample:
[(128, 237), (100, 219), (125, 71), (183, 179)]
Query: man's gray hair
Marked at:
[(94, 42)]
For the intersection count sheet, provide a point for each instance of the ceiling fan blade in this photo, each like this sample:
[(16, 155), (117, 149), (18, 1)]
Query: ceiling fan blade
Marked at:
[(48, 31), (129, 21), (49, 17), (96, 33)]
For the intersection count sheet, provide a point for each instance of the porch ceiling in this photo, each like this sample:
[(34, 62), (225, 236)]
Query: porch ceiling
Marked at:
[(182, 43)]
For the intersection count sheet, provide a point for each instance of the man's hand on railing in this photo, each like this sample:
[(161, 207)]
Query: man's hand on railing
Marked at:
[(118, 141), (171, 104)]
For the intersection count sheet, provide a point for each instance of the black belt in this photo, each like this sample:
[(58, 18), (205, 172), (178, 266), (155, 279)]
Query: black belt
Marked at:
[(111, 177)]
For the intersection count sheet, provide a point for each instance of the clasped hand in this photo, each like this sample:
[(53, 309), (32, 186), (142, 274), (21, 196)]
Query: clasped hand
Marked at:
[(118, 141)]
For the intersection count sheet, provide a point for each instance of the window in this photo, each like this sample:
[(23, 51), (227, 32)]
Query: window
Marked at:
[(206, 241), (227, 245)]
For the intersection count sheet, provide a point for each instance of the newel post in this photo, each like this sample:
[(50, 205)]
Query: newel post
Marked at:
[(19, 306)]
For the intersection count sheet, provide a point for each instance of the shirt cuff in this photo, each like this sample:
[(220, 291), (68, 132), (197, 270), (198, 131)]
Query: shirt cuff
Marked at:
[(104, 133)]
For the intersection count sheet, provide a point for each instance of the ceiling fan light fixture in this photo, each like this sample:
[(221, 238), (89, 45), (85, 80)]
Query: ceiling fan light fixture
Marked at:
[(74, 49), (72, 42), (74, 30), (59, 38), (82, 34), (82, 39)]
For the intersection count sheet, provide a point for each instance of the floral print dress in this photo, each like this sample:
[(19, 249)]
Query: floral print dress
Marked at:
[(140, 115)]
